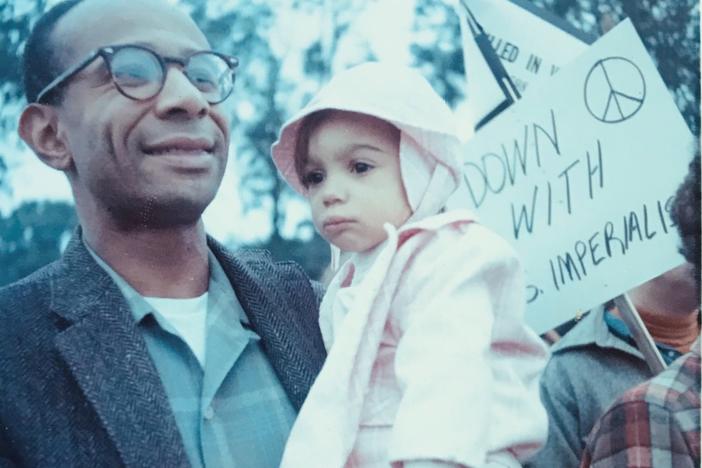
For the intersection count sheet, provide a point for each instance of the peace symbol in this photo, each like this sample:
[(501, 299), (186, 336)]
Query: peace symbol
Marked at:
[(615, 89)]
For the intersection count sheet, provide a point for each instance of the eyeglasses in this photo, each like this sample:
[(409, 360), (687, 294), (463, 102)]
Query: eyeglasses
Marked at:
[(139, 73)]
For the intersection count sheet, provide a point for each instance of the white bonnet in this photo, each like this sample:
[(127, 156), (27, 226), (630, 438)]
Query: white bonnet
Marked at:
[(429, 147)]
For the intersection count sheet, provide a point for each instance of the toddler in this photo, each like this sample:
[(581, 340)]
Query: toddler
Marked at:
[(429, 360)]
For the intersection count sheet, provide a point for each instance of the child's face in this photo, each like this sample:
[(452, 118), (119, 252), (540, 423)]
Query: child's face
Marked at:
[(353, 180)]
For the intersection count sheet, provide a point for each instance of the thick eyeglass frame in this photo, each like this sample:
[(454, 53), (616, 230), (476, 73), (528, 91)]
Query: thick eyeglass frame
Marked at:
[(107, 54)]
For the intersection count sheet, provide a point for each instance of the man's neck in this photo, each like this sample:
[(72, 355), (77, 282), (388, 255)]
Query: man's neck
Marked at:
[(156, 262)]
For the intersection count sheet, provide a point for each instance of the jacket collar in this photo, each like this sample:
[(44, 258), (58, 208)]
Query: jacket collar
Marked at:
[(108, 358), (592, 330), (282, 308)]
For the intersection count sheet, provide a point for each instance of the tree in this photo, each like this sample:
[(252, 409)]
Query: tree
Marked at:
[(437, 49), (269, 93), (266, 94), (33, 235), (245, 29), (16, 18)]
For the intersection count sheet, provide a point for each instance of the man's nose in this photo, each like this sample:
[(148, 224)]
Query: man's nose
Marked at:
[(180, 98)]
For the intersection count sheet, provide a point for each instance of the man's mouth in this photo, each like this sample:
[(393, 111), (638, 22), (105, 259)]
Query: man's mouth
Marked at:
[(179, 146)]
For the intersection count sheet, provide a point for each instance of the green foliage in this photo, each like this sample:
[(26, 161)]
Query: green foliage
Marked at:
[(3, 172), (15, 24), (32, 236), (313, 255), (245, 28), (14, 30), (245, 31), (437, 49), (248, 29)]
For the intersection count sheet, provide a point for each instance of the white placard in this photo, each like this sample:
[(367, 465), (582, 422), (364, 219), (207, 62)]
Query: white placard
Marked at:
[(579, 176), (529, 46)]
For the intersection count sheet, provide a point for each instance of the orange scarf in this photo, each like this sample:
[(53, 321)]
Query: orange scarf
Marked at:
[(679, 332)]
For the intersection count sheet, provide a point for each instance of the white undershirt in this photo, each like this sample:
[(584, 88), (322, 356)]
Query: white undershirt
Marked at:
[(188, 317)]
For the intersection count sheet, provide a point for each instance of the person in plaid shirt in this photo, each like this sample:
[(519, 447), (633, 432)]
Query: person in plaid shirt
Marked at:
[(657, 423)]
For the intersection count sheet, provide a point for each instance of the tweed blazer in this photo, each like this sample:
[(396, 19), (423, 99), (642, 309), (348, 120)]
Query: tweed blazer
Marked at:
[(77, 385)]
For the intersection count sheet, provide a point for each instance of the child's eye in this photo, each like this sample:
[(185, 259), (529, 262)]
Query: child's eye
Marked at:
[(313, 178), (360, 167)]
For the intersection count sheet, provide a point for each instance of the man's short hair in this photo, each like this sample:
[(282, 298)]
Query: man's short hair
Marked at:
[(40, 60), (686, 214)]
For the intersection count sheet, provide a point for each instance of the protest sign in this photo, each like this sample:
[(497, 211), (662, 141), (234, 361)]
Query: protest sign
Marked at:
[(530, 42), (579, 176)]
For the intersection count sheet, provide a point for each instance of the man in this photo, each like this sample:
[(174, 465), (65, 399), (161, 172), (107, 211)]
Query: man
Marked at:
[(147, 343), (597, 360), (657, 424)]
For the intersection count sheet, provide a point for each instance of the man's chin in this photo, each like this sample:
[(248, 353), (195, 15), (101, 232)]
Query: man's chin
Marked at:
[(161, 213)]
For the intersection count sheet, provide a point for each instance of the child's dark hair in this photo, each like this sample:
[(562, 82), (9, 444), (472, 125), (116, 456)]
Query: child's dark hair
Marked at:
[(308, 125), (40, 60)]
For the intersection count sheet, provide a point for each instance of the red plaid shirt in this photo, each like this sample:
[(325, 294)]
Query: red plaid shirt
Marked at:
[(653, 425)]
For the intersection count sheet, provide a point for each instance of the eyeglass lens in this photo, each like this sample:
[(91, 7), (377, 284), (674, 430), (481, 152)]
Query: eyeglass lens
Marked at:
[(139, 74)]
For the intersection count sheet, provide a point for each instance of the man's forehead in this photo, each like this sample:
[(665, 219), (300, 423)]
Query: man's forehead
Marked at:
[(96, 23)]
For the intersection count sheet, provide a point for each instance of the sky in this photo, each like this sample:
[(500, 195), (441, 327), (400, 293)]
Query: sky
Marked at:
[(29, 179)]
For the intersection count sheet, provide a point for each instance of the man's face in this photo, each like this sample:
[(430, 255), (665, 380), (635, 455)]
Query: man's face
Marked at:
[(156, 162)]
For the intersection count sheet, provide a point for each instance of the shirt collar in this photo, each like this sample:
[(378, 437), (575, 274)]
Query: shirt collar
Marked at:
[(592, 330), (136, 302), (218, 287)]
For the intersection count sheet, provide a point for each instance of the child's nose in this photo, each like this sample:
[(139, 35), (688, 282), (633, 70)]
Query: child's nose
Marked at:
[(331, 198), (334, 192)]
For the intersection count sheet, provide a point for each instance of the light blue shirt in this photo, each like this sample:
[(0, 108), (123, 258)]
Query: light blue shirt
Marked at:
[(234, 412)]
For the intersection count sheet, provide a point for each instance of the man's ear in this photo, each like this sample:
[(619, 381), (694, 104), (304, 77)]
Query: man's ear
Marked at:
[(38, 127)]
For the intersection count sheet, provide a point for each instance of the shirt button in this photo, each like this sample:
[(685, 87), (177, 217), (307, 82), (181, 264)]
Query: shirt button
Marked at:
[(209, 413)]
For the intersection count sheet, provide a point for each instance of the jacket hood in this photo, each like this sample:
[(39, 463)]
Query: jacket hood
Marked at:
[(429, 147)]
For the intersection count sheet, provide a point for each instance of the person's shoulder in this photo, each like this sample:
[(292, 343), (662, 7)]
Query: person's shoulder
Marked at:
[(31, 288), (572, 355), (253, 259), (677, 388), (582, 335), (261, 261), (591, 334), (675, 391), (25, 307), (258, 264), (579, 351), (632, 408), (628, 415), (458, 240), (484, 238)]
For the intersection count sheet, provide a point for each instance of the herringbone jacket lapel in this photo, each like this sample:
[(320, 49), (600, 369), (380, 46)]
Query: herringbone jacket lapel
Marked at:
[(109, 360), (283, 309)]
